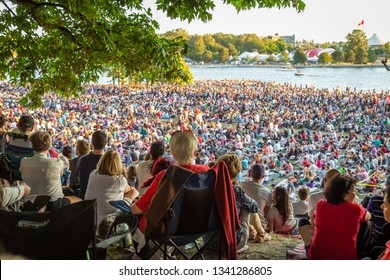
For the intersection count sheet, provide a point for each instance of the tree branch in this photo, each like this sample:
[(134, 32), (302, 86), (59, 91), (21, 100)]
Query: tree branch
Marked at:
[(36, 4), (33, 8), (43, 4), (51, 4), (8, 8), (45, 24)]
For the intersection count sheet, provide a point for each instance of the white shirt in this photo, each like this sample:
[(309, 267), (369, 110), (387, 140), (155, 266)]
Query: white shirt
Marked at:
[(105, 188), (313, 199), (43, 175), (143, 172)]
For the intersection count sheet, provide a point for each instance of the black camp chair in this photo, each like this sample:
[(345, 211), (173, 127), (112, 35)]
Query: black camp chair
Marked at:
[(116, 228), (67, 233), (193, 214)]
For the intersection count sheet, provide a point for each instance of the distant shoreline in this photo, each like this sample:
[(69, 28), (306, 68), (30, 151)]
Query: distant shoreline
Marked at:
[(281, 65)]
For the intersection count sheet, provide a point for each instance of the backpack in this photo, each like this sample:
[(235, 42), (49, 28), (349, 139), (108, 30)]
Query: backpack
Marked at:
[(15, 153)]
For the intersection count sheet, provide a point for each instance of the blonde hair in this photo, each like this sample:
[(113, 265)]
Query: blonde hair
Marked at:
[(110, 164), (233, 164), (183, 145)]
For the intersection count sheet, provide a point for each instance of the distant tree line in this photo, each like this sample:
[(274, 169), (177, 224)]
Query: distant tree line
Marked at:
[(222, 48)]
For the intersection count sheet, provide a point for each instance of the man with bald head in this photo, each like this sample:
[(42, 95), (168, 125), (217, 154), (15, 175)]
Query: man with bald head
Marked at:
[(317, 196)]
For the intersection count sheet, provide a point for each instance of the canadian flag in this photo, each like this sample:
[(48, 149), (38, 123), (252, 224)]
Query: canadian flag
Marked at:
[(361, 23)]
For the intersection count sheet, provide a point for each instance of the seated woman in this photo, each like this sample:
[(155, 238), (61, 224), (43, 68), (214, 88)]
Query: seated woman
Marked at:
[(245, 205), (183, 145), (144, 168), (281, 215), (43, 174), (107, 183), (337, 221)]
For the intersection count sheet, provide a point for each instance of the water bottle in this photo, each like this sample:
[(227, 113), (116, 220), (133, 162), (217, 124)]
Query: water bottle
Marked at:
[(127, 241)]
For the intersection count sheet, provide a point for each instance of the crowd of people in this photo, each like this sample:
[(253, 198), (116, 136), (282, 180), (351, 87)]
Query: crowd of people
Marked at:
[(285, 136)]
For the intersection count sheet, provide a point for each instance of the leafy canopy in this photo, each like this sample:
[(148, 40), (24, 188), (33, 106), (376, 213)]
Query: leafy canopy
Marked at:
[(59, 45)]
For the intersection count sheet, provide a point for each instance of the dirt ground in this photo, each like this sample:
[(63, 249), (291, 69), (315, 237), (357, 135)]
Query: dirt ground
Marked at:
[(270, 250)]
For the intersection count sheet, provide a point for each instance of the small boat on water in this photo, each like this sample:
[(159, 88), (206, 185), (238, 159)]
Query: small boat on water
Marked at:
[(288, 67), (299, 73)]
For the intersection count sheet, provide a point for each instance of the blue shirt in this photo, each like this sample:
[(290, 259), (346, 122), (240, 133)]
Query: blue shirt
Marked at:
[(245, 164)]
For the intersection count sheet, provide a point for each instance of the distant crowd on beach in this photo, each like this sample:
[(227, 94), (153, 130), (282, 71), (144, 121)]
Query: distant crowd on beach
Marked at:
[(285, 136), (229, 115), (285, 127)]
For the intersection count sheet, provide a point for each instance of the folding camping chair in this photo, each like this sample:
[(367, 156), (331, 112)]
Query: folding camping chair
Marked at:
[(67, 233), (116, 228), (192, 214)]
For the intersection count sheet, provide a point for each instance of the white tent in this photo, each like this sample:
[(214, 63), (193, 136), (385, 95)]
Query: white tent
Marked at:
[(375, 41), (252, 55)]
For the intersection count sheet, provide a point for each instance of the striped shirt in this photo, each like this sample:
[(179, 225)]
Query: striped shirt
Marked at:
[(374, 207)]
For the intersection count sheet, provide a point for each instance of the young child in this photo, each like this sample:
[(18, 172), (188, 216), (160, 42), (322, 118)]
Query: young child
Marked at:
[(301, 207), (132, 176)]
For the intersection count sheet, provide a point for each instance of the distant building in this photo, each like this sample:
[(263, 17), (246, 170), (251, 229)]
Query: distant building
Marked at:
[(274, 37), (375, 41), (289, 39), (313, 55)]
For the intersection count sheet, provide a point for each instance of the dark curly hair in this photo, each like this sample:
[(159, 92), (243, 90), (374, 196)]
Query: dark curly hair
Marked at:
[(338, 187)]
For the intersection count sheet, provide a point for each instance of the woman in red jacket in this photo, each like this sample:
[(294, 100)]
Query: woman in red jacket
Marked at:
[(337, 221), (183, 145)]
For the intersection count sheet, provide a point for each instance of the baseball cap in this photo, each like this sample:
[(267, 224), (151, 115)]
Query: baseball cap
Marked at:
[(257, 171), (26, 122)]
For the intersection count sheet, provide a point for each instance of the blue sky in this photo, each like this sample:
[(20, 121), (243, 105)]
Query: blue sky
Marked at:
[(321, 21)]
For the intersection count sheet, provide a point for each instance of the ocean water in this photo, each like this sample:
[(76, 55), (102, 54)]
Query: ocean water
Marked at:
[(361, 78)]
